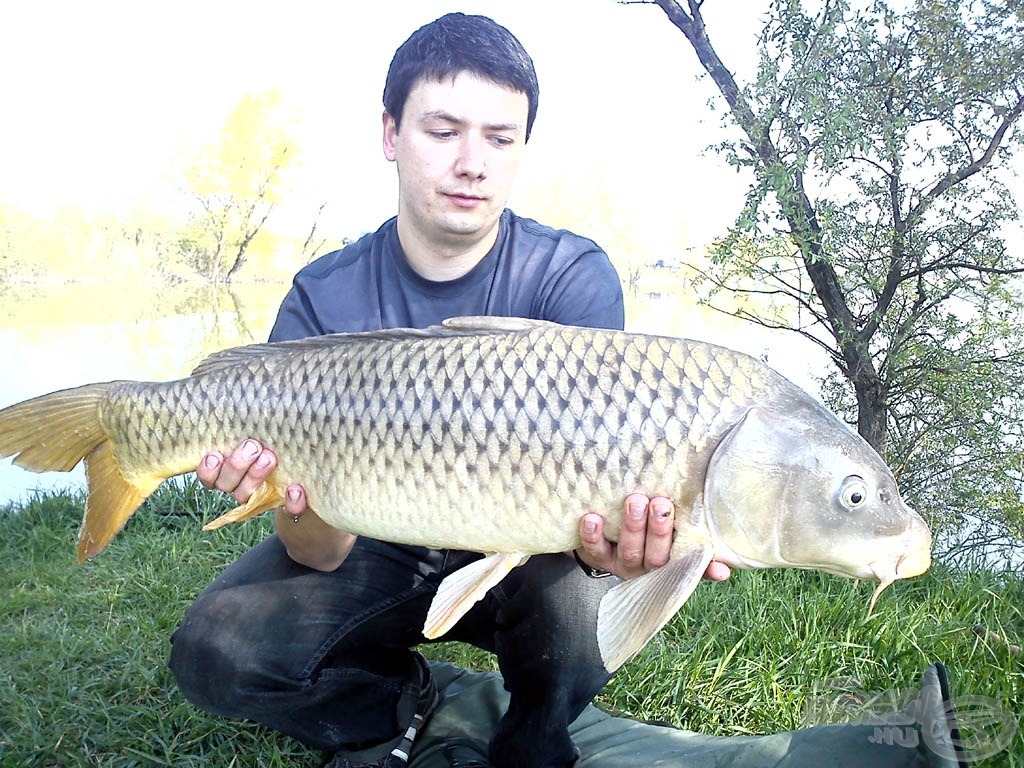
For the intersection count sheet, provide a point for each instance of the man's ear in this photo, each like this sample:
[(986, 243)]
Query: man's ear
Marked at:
[(390, 134)]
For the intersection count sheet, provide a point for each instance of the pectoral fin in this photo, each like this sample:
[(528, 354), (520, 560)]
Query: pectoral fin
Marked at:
[(462, 589), (633, 612), (267, 496)]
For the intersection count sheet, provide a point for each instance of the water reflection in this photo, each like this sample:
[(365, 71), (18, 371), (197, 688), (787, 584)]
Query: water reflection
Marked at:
[(65, 335)]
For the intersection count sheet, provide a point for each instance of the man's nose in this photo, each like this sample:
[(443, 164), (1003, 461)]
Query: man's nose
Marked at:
[(470, 162)]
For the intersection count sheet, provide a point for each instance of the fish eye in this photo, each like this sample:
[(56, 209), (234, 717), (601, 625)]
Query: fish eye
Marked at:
[(854, 491)]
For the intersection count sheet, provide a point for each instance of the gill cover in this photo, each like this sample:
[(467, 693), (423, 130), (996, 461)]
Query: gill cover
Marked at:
[(744, 492)]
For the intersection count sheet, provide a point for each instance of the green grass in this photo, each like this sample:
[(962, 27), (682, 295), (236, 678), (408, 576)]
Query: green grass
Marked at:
[(83, 648)]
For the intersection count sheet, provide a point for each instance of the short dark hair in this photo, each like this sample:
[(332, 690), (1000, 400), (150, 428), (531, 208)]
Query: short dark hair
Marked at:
[(458, 43)]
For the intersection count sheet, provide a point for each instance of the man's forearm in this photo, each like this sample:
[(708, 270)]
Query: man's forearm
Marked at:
[(311, 542)]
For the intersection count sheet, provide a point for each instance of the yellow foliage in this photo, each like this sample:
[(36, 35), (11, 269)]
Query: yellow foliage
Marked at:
[(249, 158), (237, 181)]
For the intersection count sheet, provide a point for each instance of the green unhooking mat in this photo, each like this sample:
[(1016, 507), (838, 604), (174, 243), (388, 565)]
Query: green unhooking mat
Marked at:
[(923, 735)]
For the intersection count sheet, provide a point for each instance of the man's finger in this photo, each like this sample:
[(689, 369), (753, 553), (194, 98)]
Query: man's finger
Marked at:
[(209, 468), (597, 550), (660, 527), (236, 464), (717, 571), (257, 471), (632, 537), (295, 503)]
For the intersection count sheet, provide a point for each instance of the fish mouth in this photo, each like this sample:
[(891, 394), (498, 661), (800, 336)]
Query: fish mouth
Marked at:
[(914, 560), (908, 555)]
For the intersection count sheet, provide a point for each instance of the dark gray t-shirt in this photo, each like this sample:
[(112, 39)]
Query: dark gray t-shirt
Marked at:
[(532, 271)]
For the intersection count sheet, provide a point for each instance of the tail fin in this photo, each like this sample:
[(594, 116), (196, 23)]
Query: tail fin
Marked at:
[(56, 431)]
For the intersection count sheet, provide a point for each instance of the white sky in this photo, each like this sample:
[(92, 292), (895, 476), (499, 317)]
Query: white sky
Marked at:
[(102, 99)]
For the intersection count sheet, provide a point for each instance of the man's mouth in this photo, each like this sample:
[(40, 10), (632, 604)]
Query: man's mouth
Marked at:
[(464, 200)]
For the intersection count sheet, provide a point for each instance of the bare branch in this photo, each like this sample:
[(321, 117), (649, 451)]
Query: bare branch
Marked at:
[(961, 174)]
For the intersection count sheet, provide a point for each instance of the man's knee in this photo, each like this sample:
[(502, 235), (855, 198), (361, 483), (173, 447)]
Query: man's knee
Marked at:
[(209, 665), (557, 589)]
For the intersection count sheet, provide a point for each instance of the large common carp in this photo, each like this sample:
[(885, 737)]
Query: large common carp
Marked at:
[(495, 435)]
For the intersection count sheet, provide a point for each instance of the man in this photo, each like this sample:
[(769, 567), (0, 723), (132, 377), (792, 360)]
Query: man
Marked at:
[(310, 632)]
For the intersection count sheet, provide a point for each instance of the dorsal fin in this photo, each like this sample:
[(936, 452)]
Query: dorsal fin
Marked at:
[(455, 326), (494, 324)]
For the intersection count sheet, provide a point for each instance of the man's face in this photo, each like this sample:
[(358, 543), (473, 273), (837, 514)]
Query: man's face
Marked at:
[(457, 153)]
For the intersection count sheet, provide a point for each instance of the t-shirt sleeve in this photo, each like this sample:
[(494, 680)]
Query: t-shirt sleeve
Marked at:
[(296, 318), (587, 293)]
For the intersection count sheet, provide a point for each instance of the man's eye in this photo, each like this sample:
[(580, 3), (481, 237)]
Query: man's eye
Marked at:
[(502, 141), (443, 135)]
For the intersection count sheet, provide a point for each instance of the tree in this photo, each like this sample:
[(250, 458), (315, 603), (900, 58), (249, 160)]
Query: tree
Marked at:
[(237, 182), (878, 143)]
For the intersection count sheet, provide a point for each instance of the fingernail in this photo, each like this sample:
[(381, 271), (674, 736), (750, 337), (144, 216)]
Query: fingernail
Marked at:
[(293, 494), (636, 509), (211, 461), (251, 449), (589, 526), (661, 509), (263, 461)]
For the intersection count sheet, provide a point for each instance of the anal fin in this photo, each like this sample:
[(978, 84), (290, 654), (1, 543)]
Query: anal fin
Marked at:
[(267, 496), (633, 611), (461, 590), (112, 499)]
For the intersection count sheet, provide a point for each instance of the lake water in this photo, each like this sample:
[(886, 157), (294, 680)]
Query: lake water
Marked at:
[(56, 336)]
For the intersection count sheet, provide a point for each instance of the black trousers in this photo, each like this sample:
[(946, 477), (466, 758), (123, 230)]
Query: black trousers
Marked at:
[(324, 657)]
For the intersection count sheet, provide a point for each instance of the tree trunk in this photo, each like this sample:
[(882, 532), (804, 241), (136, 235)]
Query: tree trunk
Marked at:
[(788, 185)]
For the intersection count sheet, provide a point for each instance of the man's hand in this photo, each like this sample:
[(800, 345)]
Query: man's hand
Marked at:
[(240, 473), (308, 539), (645, 540)]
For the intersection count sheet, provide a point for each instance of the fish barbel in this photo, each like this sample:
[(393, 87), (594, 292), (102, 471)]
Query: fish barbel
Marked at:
[(496, 435)]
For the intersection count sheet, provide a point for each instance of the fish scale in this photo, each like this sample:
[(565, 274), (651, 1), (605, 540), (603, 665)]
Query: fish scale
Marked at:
[(430, 438), (496, 435), (394, 426)]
